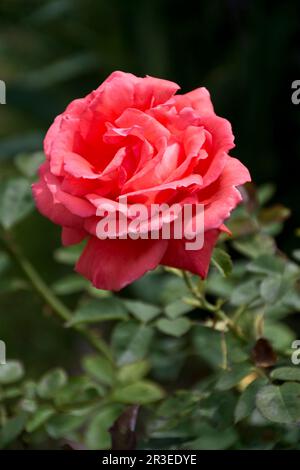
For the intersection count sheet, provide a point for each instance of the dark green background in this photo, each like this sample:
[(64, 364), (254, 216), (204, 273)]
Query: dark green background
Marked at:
[(247, 53)]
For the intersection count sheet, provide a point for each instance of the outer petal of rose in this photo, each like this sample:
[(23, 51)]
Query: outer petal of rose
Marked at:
[(195, 261), (198, 99), (223, 196), (52, 209), (113, 264), (72, 236), (75, 205), (221, 131), (151, 91), (222, 141), (124, 90), (147, 91), (74, 110), (114, 95), (62, 141), (51, 135)]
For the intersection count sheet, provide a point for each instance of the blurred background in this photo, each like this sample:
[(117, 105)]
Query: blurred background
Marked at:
[(246, 52)]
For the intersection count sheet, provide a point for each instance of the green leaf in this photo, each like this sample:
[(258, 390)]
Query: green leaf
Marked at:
[(39, 418), (98, 293), (15, 201), (245, 293), (4, 261), (292, 300), (11, 284), (253, 247), (212, 439), (208, 346), (78, 391), (218, 406), (68, 255), (70, 285), (280, 404), (230, 378), (266, 264), (11, 392), (142, 392), (28, 164), (286, 373), (296, 255), (171, 288), (51, 382), (131, 341), (270, 289), (62, 425), (177, 308), (132, 372), (177, 327), (220, 286), (98, 310), (247, 400), (142, 311), (11, 372), (12, 429), (97, 436), (265, 192), (279, 335), (222, 261), (99, 368)]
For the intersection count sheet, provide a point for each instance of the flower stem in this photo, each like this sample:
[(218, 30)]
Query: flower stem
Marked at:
[(49, 297), (215, 309)]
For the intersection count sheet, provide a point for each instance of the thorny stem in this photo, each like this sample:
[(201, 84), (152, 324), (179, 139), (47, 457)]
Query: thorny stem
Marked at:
[(49, 297)]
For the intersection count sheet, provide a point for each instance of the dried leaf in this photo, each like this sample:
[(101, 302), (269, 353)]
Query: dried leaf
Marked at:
[(123, 431), (263, 354)]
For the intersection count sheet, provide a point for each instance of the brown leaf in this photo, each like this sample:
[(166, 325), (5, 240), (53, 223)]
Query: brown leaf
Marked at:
[(249, 194), (122, 432), (262, 354), (274, 214)]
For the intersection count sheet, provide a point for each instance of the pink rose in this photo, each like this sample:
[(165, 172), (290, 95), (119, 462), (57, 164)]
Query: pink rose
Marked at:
[(134, 137)]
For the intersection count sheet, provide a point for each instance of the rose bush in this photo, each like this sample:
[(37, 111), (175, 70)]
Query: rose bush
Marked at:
[(135, 137)]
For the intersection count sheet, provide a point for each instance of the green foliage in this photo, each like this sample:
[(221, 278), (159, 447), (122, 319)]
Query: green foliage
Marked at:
[(280, 404), (201, 364), (15, 201), (190, 359)]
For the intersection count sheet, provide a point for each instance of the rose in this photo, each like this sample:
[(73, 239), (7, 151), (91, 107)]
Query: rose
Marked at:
[(134, 138)]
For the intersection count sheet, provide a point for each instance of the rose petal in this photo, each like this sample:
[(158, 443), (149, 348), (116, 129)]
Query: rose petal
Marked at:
[(195, 261), (198, 99), (223, 196), (49, 207), (113, 264), (72, 236)]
